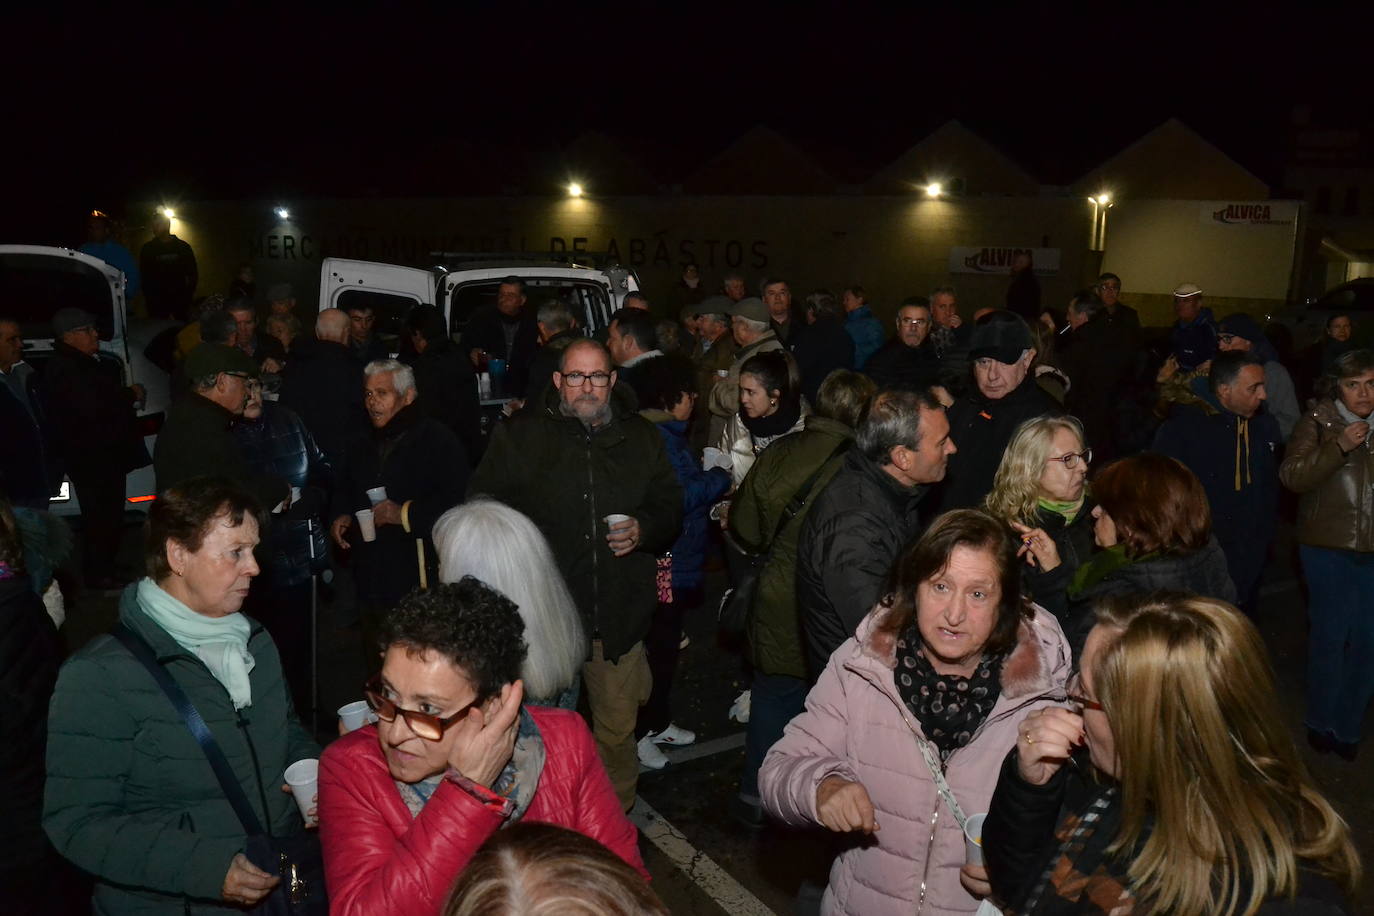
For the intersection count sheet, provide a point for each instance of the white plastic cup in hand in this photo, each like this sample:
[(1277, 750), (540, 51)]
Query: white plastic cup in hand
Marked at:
[(376, 495), (355, 715), (303, 778), (295, 495), (366, 524), (616, 519), (973, 840)]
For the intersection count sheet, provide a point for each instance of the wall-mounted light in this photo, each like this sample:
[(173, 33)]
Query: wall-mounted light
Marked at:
[(168, 212), (574, 190), (934, 189), (282, 213)]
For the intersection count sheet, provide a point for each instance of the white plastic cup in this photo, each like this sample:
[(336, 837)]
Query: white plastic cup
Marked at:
[(376, 495), (615, 519), (355, 715), (973, 839), (303, 778), (366, 524), (295, 495)]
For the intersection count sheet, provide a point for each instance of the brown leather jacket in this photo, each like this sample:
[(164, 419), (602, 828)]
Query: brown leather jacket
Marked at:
[(1336, 509)]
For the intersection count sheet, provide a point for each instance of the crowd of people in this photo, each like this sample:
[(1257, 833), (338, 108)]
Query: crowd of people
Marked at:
[(997, 570)]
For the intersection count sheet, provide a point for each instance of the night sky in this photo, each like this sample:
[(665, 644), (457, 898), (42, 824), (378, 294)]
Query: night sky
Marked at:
[(266, 104)]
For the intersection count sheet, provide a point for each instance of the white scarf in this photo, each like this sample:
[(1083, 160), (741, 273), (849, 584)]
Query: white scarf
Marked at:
[(220, 642)]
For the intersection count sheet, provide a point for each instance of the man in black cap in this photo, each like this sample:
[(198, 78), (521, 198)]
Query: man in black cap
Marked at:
[(92, 415), (1004, 396), (749, 322), (196, 441), (169, 272)]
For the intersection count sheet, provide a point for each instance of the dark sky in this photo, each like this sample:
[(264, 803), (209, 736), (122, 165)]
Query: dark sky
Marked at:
[(113, 108)]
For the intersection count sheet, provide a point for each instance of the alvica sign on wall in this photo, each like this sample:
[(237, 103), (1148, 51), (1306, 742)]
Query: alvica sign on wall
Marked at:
[(997, 259), (1249, 212)]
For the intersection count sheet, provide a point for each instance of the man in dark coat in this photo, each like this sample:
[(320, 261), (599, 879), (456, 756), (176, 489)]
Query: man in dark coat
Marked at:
[(1097, 355), (505, 331), (445, 382), (323, 385), (424, 470), (362, 341), (908, 361), (819, 343), (633, 346), (94, 428), (982, 422), (1232, 445), (584, 455), (1118, 313), (169, 272), (261, 348), (865, 516), (557, 328), (28, 469), (196, 440)]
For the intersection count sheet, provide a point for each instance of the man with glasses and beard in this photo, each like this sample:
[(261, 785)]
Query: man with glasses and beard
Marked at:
[(594, 476)]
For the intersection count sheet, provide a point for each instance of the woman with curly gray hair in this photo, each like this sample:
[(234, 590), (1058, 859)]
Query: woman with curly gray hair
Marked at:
[(454, 757)]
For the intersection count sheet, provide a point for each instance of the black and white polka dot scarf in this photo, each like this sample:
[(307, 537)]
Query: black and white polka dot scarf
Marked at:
[(950, 708)]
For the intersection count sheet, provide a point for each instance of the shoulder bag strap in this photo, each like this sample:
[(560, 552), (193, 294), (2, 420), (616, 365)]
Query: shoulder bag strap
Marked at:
[(138, 647), (941, 786), (798, 500)]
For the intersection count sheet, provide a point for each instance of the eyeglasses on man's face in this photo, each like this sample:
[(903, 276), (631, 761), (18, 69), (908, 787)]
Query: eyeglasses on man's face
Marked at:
[(915, 322), (578, 379), (1074, 460), (429, 727)]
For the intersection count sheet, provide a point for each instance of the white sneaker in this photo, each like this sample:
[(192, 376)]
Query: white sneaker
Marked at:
[(673, 736), (649, 754)]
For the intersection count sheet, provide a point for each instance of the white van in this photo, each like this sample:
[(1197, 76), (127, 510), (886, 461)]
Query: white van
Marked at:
[(460, 284), (36, 281)]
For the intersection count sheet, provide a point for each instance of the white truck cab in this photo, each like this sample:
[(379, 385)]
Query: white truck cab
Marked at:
[(36, 281), (460, 284)]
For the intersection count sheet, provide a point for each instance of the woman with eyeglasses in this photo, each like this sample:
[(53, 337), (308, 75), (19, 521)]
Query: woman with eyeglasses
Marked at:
[(1170, 784), (905, 731), (1153, 526), (454, 757), (1041, 493)]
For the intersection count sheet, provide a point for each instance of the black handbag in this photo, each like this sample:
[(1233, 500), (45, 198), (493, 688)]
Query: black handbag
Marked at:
[(297, 859), (746, 566)]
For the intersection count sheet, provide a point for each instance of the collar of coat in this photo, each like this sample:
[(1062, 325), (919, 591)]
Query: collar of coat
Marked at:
[(1028, 670), (405, 418)]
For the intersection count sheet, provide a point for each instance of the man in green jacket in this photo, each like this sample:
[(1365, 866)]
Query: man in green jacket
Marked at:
[(130, 796), (583, 456), (780, 685), (196, 441)]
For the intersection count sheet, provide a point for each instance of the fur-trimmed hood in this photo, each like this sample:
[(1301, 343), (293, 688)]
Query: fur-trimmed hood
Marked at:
[(1030, 670)]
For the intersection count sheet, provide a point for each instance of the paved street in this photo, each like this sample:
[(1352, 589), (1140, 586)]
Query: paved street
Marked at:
[(701, 861)]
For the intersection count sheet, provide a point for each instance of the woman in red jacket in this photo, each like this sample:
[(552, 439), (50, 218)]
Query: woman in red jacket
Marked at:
[(455, 757)]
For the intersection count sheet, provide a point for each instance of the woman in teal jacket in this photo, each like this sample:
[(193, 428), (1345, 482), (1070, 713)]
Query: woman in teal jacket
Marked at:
[(130, 796)]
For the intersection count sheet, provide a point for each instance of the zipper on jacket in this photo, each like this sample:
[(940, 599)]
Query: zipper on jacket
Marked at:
[(596, 565), (257, 771)]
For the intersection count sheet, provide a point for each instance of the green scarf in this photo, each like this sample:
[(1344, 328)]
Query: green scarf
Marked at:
[(220, 642), (1102, 565), (1068, 510)]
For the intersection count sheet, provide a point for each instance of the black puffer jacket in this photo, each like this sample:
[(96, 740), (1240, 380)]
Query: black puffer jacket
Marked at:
[(421, 463), (323, 384), (981, 429), (567, 479), (848, 543), (1024, 834), (278, 443), (30, 654), (1202, 572)]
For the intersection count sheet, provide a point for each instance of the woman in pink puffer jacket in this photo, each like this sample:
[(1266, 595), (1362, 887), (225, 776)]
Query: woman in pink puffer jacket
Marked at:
[(952, 660)]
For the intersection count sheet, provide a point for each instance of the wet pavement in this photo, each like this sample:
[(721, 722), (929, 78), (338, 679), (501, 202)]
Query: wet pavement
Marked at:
[(705, 863)]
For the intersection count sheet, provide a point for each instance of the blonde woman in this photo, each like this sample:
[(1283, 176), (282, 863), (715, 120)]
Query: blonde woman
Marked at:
[(1041, 492), (1202, 805)]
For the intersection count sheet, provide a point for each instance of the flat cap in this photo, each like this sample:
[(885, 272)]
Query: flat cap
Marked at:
[(750, 307), (1187, 291), (69, 319), (213, 358)]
